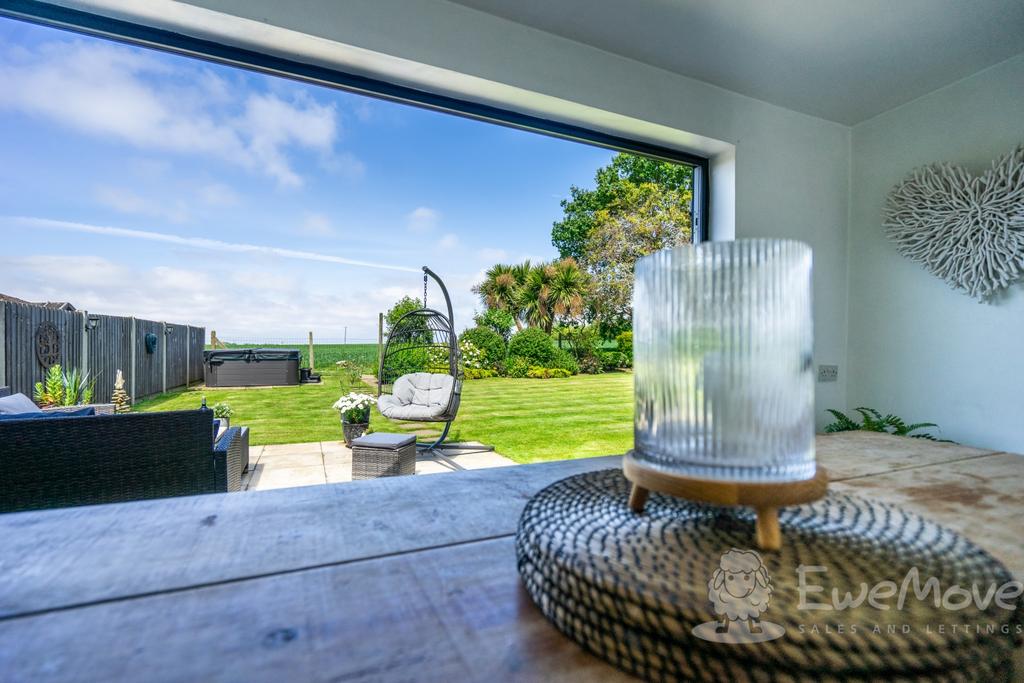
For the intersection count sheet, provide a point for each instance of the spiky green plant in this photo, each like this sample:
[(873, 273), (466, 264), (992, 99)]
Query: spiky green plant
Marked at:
[(874, 421), (60, 388)]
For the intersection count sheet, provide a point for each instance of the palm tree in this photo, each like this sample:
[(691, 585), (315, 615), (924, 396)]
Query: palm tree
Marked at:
[(553, 290), (501, 289), (568, 289)]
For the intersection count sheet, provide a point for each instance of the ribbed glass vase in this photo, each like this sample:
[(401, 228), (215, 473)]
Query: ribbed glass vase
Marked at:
[(722, 342)]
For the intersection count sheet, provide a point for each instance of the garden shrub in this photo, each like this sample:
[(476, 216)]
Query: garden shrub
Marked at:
[(625, 343), (537, 372), (585, 344), (533, 344), (488, 342), (613, 360), (565, 361), (517, 366), (591, 365), (479, 373), (497, 320)]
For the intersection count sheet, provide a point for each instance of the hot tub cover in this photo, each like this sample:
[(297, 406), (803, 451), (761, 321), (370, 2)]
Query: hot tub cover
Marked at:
[(216, 356)]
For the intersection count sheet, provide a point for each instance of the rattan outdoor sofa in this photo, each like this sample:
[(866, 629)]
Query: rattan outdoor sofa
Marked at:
[(68, 461)]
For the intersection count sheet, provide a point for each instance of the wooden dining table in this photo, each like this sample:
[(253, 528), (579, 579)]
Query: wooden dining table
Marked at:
[(400, 579)]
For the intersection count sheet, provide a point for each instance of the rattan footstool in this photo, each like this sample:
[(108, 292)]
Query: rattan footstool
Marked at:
[(383, 455)]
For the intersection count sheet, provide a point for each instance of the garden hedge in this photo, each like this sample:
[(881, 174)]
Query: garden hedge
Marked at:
[(533, 344)]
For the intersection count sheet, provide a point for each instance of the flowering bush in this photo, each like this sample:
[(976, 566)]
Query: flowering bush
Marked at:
[(489, 343), (470, 357), (354, 407)]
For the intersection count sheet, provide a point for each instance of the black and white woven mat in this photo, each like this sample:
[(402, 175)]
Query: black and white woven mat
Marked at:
[(636, 589)]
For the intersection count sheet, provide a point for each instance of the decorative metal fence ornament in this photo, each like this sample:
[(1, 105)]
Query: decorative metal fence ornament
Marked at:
[(968, 230), (47, 344)]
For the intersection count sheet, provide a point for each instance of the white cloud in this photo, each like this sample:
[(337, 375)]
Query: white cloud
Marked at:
[(197, 242), (316, 225), (448, 241), (217, 194), (124, 93), (347, 164), (126, 201), (271, 124), (422, 219), (246, 303), (493, 255)]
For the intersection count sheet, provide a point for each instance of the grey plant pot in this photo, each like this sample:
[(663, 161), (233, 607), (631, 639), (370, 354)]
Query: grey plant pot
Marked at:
[(353, 430)]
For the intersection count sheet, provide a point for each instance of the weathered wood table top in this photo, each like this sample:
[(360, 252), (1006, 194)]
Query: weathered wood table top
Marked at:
[(410, 578)]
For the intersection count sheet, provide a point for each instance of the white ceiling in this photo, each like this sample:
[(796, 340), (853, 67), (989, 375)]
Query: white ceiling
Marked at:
[(843, 60)]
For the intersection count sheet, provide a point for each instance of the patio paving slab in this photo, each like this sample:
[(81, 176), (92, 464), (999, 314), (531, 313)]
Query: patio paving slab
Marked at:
[(290, 460), (329, 462), (292, 449), (287, 477)]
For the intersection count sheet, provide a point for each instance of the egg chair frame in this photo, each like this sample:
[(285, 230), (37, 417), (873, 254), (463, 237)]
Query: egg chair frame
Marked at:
[(424, 340)]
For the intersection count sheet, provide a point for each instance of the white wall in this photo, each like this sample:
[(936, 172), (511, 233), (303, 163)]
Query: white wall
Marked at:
[(791, 170), (916, 347)]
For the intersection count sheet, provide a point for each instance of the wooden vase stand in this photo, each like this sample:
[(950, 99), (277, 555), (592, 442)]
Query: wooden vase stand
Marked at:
[(765, 498)]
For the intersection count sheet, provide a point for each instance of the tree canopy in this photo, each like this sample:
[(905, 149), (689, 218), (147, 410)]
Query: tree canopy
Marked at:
[(643, 219), (569, 235), (536, 295), (404, 305)]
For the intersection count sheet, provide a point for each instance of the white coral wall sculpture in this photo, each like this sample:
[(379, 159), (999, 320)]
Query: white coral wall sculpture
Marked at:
[(967, 230)]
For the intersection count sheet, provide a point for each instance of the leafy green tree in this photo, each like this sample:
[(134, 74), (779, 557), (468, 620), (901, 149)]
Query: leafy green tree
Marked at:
[(404, 305), (496, 319), (569, 235), (643, 219)]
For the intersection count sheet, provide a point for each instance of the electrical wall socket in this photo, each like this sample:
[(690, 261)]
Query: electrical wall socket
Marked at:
[(828, 373)]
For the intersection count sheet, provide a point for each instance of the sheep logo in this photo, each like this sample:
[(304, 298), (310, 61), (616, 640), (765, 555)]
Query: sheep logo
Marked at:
[(740, 591)]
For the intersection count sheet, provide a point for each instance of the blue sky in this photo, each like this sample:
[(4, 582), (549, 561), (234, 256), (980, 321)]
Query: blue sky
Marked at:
[(139, 183)]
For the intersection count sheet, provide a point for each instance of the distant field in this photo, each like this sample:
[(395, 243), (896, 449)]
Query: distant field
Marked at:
[(325, 355)]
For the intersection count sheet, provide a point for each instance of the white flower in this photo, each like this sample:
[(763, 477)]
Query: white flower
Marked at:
[(354, 401)]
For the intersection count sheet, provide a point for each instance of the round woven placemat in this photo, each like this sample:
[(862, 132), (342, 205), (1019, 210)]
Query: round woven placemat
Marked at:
[(632, 589)]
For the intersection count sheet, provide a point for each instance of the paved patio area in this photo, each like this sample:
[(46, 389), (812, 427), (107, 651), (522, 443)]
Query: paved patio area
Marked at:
[(327, 462)]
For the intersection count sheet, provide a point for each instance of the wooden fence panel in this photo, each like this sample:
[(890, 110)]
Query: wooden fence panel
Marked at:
[(110, 350), (148, 366), (106, 342), (20, 324), (197, 343), (177, 347)]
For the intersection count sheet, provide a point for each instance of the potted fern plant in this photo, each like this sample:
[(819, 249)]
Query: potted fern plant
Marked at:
[(354, 410)]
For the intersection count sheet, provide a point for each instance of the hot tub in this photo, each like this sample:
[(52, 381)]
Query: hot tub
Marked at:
[(251, 367)]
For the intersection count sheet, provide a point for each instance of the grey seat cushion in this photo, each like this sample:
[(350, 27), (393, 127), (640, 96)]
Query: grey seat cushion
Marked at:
[(17, 404), (417, 396)]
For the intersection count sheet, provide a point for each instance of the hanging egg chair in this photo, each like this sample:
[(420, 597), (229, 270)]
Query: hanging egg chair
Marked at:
[(419, 379)]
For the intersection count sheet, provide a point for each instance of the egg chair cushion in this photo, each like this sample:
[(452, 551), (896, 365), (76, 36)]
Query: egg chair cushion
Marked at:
[(418, 396)]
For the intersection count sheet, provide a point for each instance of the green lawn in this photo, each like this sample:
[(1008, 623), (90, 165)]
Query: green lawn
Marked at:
[(527, 420)]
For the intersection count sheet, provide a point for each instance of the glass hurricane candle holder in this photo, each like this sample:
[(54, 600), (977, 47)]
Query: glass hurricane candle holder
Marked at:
[(722, 342), (722, 347)]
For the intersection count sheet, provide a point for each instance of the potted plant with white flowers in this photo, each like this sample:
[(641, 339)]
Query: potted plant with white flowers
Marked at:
[(354, 410)]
